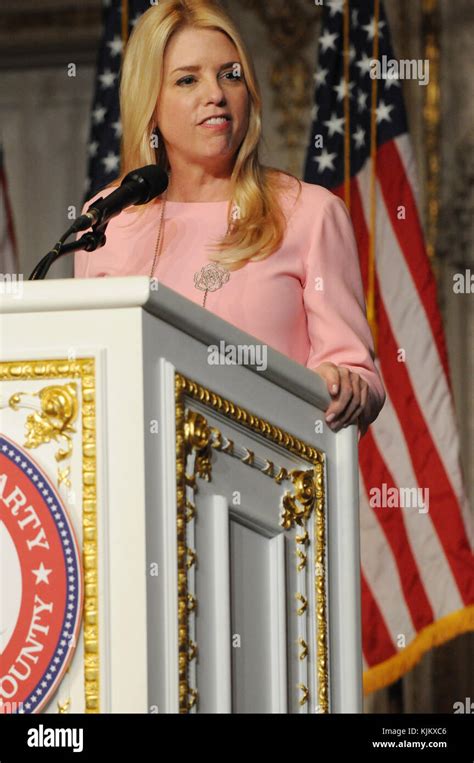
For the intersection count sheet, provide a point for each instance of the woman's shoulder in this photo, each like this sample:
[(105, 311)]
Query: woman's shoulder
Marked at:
[(303, 199)]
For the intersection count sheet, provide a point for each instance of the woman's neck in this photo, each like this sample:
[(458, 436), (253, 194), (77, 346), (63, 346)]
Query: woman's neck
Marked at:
[(198, 186)]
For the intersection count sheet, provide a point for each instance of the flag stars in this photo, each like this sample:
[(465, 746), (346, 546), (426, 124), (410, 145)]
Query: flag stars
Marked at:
[(320, 76), (352, 53), (115, 46), (335, 125), (107, 79), (325, 160), (364, 64), (383, 112), (111, 162), (359, 137), (341, 89), (335, 6), (389, 81), (370, 28), (362, 101), (98, 115), (328, 40), (117, 128)]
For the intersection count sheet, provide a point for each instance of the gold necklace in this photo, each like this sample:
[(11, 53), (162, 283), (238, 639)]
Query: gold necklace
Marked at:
[(209, 278)]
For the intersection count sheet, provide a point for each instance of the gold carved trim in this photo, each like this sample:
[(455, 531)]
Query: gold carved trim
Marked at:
[(320, 595), (55, 419), (84, 370), (183, 516), (193, 434)]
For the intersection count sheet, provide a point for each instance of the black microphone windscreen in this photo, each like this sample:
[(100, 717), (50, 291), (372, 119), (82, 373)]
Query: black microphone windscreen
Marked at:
[(153, 177)]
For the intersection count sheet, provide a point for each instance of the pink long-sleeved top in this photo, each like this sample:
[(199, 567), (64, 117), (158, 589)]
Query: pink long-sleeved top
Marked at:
[(305, 300)]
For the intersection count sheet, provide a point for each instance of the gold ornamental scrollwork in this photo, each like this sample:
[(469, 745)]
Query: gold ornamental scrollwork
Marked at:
[(305, 501), (197, 435), (55, 419), (298, 506)]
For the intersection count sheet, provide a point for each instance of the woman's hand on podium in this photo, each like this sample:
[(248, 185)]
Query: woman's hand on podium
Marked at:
[(349, 393)]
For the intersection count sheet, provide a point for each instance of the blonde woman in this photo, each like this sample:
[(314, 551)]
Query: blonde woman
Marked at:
[(272, 255)]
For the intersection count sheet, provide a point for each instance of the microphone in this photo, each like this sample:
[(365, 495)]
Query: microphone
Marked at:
[(138, 187)]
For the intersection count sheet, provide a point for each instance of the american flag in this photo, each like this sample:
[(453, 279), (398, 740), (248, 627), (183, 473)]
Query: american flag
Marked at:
[(119, 18), (417, 568), (8, 251)]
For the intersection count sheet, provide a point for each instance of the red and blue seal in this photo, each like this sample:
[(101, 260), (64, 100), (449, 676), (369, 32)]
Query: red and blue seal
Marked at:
[(41, 584)]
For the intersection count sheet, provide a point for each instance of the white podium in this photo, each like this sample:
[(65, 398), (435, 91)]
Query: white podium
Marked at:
[(215, 515)]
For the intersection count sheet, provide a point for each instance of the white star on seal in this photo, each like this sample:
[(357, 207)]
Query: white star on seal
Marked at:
[(42, 574)]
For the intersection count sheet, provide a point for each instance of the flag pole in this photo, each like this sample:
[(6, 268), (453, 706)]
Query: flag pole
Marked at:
[(124, 25), (347, 108), (371, 316)]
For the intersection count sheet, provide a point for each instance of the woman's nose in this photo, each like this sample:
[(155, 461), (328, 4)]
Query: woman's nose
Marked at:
[(215, 92)]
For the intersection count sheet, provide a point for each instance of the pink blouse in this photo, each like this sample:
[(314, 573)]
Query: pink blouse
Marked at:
[(305, 300)]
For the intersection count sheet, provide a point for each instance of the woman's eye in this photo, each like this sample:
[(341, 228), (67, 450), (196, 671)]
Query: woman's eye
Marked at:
[(184, 80), (234, 75)]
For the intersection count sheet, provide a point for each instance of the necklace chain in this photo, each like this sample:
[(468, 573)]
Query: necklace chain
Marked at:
[(222, 273)]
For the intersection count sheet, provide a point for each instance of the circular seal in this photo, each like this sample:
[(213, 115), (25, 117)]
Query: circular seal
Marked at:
[(41, 586)]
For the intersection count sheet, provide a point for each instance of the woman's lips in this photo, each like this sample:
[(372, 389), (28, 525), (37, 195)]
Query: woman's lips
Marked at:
[(218, 127)]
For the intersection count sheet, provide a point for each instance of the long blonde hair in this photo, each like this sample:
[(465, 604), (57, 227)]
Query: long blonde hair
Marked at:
[(259, 227)]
